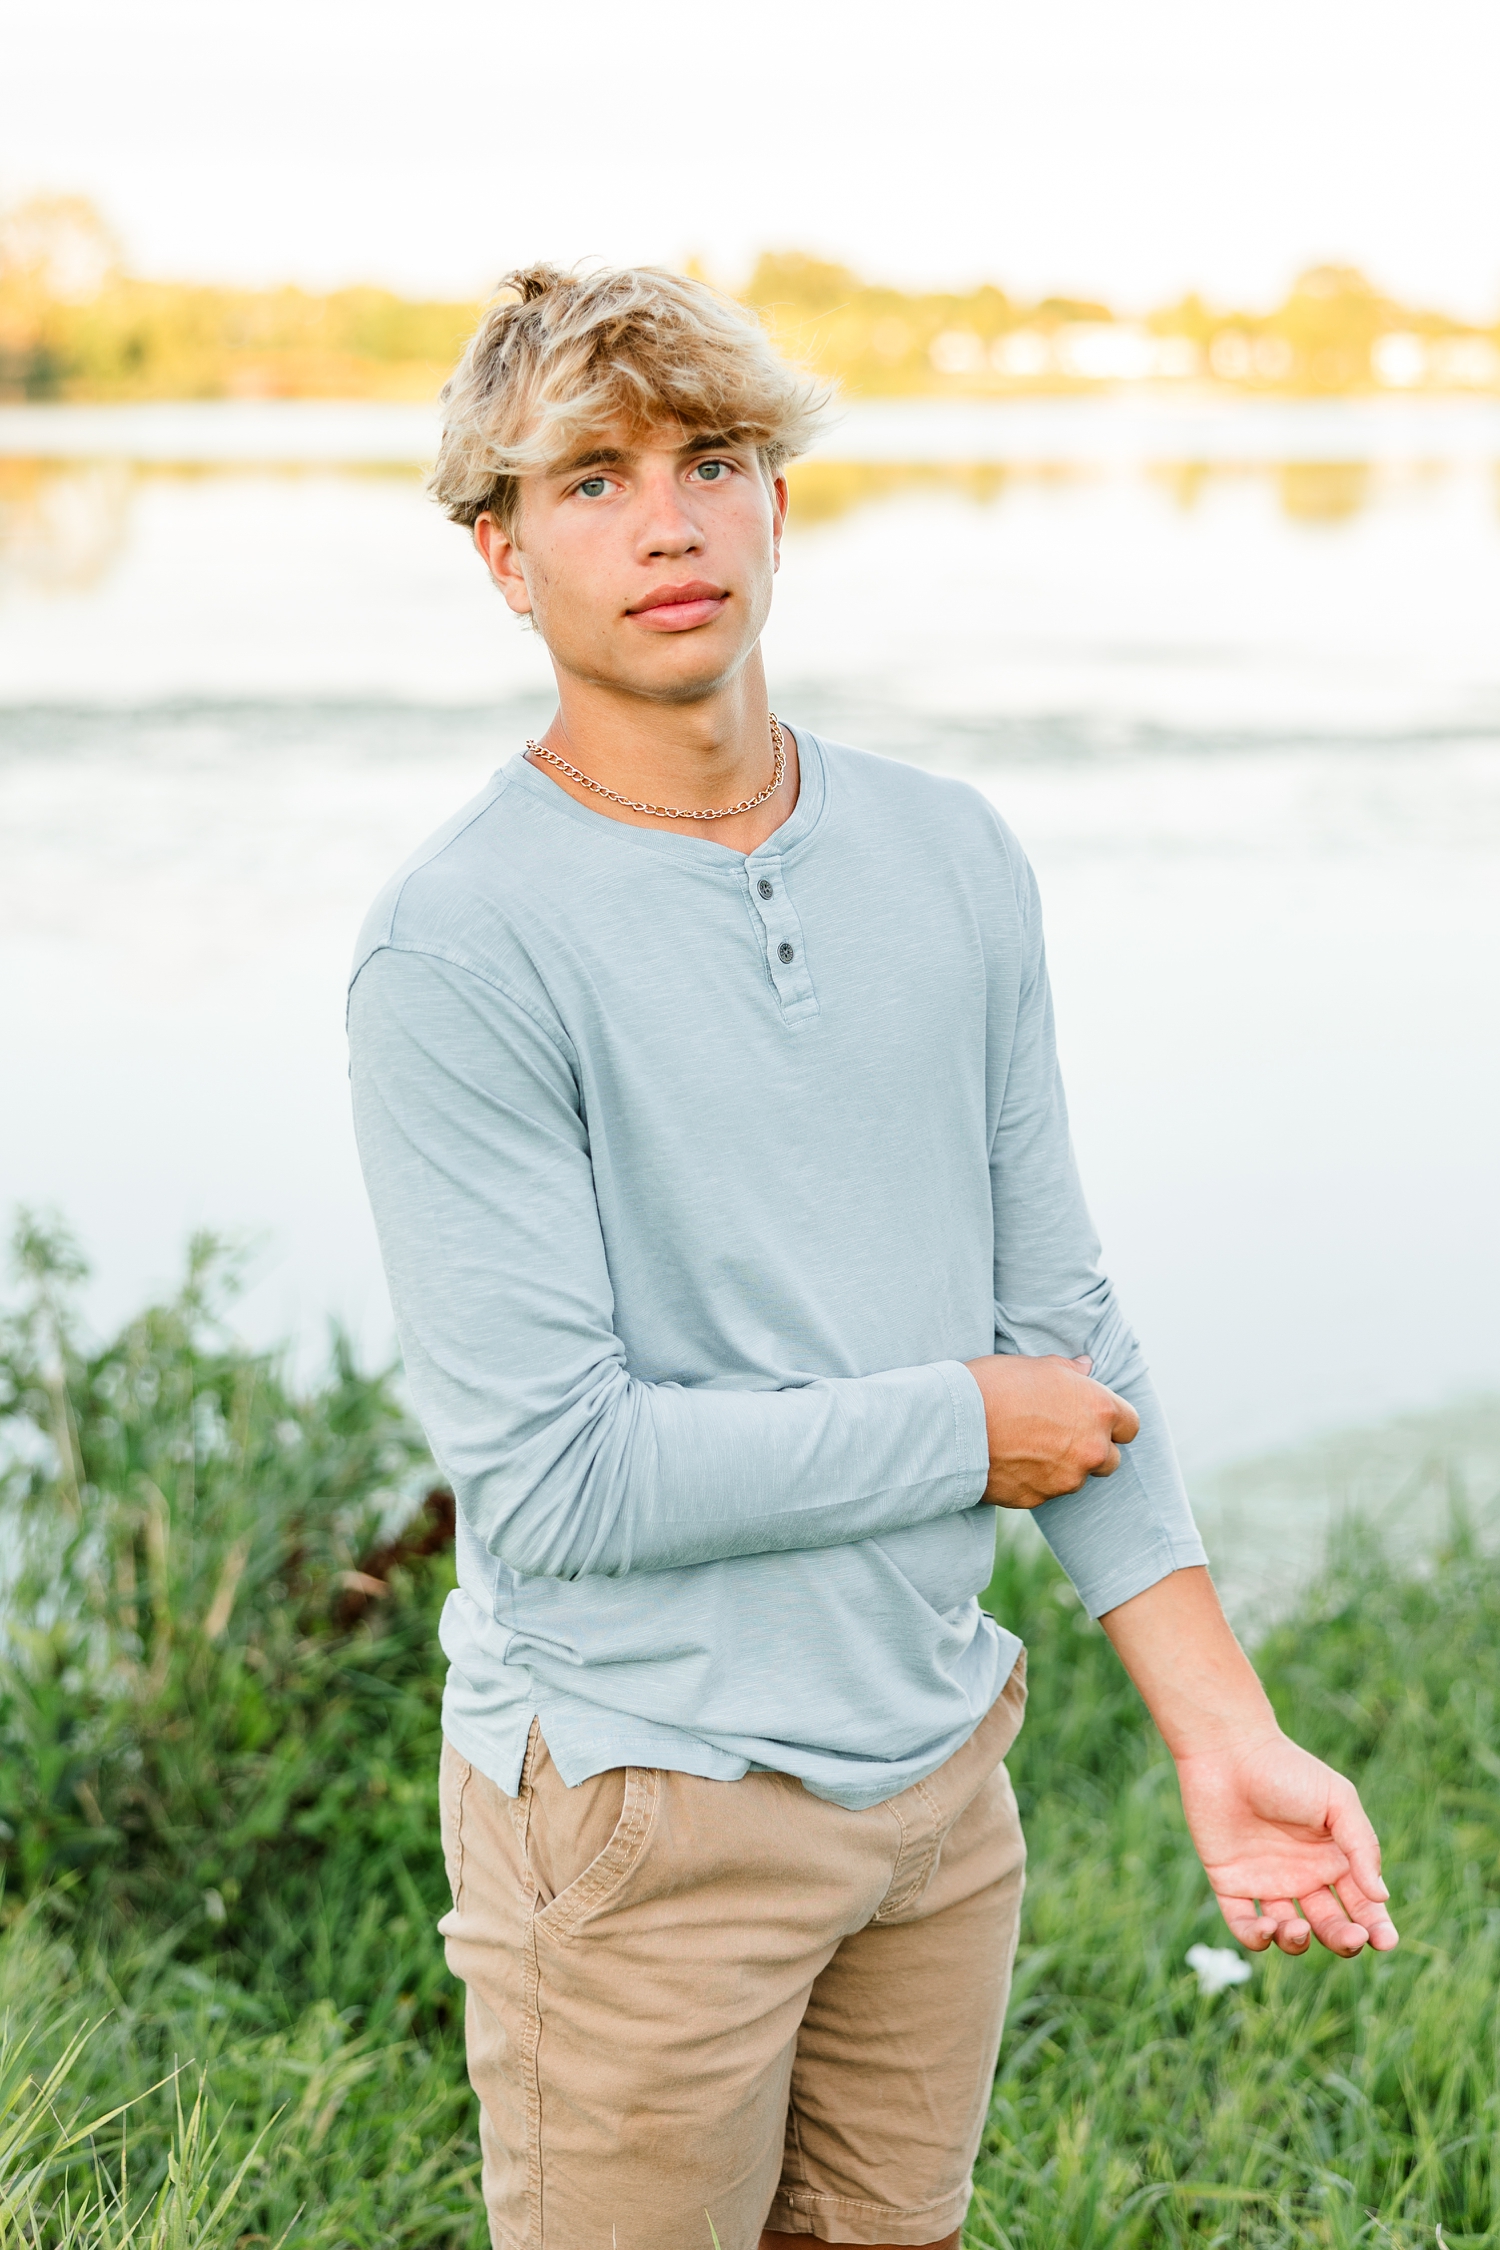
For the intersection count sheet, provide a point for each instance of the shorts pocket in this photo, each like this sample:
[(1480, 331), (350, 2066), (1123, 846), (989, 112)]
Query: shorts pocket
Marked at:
[(1007, 1714), (454, 1775), (609, 1870)]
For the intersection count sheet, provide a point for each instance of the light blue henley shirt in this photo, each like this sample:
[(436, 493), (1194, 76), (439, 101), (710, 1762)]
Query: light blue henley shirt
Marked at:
[(697, 1177)]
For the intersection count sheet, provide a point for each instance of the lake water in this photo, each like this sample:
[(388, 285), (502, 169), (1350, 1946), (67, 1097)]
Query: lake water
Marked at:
[(1234, 679)]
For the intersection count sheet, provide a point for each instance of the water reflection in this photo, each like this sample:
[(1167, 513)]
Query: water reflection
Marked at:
[(1323, 491), (1307, 492), (61, 528), (822, 491), (64, 525)]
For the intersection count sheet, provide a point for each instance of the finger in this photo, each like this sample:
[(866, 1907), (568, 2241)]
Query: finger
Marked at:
[(1292, 1933), (1331, 1925), (1350, 1828), (1126, 1423), (1254, 1931), (1083, 1364), (1109, 1464), (1370, 1913)]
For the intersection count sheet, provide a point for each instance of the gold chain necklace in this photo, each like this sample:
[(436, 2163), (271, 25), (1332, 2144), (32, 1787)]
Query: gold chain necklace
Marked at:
[(673, 812)]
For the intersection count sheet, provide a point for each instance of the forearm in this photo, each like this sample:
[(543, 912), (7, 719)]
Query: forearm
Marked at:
[(646, 1477), (1194, 1678)]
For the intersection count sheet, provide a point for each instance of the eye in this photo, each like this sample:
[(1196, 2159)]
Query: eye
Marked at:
[(712, 472), (593, 488)]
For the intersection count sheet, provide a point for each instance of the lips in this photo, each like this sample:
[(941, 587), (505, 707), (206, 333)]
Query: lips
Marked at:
[(676, 609)]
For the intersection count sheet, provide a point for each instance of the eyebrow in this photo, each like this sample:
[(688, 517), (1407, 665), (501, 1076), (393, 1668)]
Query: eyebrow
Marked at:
[(597, 457), (615, 456), (714, 441)]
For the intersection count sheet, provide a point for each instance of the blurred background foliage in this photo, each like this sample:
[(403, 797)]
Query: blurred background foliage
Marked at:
[(224, 2013), (76, 324)]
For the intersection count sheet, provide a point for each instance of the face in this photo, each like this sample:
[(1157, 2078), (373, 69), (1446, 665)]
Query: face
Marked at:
[(647, 561)]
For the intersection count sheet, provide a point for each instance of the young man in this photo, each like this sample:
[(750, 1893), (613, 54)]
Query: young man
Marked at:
[(706, 1093)]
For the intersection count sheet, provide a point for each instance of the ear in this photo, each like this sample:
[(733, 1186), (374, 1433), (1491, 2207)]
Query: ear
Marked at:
[(502, 559), (779, 497)]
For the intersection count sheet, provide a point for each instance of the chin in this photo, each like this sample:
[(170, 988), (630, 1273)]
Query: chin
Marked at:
[(675, 669), (691, 676), (694, 687)]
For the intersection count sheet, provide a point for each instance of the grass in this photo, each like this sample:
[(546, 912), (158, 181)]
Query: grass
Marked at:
[(226, 2018), (1325, 2102)]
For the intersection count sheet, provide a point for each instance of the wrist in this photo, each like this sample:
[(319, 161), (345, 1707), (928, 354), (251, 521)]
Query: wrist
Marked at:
[(1194, 1678), (1223, 1737)]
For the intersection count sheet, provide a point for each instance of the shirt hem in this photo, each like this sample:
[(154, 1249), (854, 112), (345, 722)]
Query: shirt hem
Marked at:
[(700, 1759)]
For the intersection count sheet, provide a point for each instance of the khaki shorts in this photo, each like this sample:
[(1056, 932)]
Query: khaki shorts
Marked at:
[(730, 2000)]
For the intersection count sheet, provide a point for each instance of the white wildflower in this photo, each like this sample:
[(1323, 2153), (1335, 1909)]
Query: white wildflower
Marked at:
[(1218, 1966)]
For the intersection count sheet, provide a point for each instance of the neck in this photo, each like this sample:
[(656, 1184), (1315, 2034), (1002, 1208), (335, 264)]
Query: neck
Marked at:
[(697, 755)]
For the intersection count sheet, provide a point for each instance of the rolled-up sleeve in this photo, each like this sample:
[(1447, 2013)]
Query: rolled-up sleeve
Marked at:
[(564, 1463), (1120, 1534)]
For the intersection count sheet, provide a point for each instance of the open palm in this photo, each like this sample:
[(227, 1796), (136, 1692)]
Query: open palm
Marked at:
[(1272, 1824)]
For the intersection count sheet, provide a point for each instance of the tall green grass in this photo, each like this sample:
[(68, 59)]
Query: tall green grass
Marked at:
[(226, 2019), (1324, 2102), (218, 1828)]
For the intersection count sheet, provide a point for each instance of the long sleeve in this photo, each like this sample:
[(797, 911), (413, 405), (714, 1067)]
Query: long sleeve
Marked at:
[(1120, 1534), (565, 1464)]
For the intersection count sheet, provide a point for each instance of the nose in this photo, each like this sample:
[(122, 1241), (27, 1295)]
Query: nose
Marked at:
[(668, 527)]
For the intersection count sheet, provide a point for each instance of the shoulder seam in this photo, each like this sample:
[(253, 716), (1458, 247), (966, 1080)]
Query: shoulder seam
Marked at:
[(502, 778), (549, 1032)]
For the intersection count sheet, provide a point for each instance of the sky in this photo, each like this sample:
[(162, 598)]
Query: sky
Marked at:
[(1125, 148)]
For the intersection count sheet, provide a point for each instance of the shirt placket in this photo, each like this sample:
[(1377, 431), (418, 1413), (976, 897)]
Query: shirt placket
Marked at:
[(781, 934)]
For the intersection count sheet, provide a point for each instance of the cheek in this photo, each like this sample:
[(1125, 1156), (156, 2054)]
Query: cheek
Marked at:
[(764, 565), (567, 588), (755, 505), (748, 531)]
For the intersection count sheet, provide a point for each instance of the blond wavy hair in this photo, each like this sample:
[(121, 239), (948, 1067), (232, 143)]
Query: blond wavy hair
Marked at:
[(559, 357)]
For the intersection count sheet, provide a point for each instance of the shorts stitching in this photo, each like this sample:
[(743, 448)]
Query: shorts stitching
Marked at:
[(520, 1804), (458, 1836), (923, 1875), (797, 2197), (890, 1907), (893, 1808), (930, 1802), (642, 1789), (794, 2120), (532, 2074)]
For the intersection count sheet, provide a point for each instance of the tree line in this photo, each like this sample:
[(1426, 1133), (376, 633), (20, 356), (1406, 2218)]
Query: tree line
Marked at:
[(75, 323)]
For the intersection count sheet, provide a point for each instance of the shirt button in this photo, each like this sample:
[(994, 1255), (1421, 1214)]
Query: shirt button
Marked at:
[(785, 952), (766, 888)]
